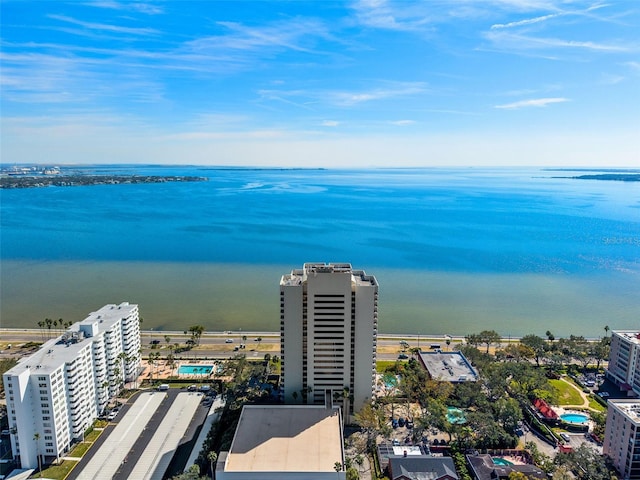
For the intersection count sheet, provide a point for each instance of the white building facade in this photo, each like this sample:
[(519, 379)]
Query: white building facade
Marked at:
[(328, 332), (622, 437), (624, 361), (54, 395)]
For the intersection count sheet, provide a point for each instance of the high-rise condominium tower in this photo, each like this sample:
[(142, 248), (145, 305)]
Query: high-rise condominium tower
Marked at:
[(328, 328), (54, 395)]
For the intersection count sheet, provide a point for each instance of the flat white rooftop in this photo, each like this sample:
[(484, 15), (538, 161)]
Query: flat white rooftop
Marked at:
[(297, 276), (630, 408), (448, 366), (62, 349), (631, 336), (278, 438)]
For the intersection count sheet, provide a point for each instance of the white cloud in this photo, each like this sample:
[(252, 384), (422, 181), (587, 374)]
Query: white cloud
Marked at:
[(504, 40), (402, 123), (536, 102), (521, 23), (330, 123), (610, 79), (391, 91), (105, 27), (633, 66), (141, 7), (382, 14)]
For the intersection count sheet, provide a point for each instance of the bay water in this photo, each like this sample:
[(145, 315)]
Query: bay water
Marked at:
[(455, 251)]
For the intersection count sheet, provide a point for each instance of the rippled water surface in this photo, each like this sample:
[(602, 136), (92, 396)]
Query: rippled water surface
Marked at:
[(454, 250)]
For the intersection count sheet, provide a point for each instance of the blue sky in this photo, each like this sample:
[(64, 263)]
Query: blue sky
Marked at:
[(324, 83)]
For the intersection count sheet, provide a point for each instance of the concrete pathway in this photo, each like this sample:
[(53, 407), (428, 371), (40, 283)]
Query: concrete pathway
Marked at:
[(585, 398)]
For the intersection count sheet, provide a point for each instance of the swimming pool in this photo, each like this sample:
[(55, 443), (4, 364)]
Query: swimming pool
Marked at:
[(577, 418), (195, 369), (455, 415), (501, 461)]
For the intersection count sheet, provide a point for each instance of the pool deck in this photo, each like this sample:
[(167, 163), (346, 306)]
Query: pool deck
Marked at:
[(514, 459), (160, 371)]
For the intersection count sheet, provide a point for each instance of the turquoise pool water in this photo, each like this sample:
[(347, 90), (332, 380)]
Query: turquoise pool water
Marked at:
[(501, 461), (455, 415), (195, 369), (574, 418)]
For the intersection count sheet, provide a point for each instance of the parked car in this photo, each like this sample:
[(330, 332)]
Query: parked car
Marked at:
[(394, 423), (565, 437), (603, 394), (403, 356), (401, 422), (229, 340), (112, 415), (409, 424)]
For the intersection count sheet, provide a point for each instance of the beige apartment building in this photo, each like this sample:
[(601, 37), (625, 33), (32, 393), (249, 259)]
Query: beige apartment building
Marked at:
[(328, 328), (624, 361), (622, 437)]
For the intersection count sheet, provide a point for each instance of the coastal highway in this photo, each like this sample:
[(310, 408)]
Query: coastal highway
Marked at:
[(219, 344)]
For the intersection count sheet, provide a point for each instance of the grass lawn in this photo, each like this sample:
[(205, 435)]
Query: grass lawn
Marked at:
[(593, 403), (58, 472), (92, 436), (567, 393), (381, 365), (79, 450)]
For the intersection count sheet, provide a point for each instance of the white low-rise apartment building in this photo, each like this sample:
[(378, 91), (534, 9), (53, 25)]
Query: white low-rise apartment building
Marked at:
[(624, 361), (622, 437), (328, 332), (55, 394)]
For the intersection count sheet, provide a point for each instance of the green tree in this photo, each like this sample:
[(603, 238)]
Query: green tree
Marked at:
[(601, 351), (213, 458), (516, 351), (489, 337), (36, 438), (585, 463), (352, 474), (508, 413), (537, 344), (539, 458), (370, 418), (550, 337), (196, 332)]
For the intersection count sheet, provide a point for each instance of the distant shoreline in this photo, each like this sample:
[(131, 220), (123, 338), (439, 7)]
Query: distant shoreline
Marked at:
[(616, 177), (28, 181)]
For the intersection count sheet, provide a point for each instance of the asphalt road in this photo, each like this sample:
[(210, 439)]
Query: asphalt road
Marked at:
[(218, 344)]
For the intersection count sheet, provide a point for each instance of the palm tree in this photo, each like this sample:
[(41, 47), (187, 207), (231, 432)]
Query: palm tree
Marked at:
[(550, 336), (213, 458), (36, 438), (41, 324), (606, 330), (48, 322)]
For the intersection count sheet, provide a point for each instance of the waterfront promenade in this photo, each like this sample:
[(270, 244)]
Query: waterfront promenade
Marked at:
[(226, 344)]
